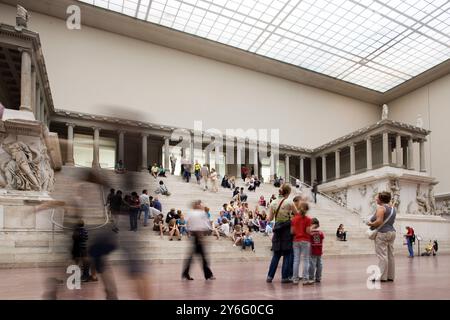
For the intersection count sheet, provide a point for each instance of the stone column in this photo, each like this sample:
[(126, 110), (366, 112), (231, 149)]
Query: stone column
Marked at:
[(255, 160), (25, 82), (69, 156), (369, 153), (286, 168), (398, 150), (207, 157), (324, 168), (37, 103), (385, 148), (191, 151), (217, 156), (96, 157), (313, 170), (121, 146), (33, 89), (238, 161), (302, 169), (410, 153), (166, 154), (422, 156), (273, 166), (43, 106), (144, 164), (352, 159), (338, 163)]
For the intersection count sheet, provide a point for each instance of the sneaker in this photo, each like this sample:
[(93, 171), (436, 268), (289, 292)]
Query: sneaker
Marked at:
[(170, 239), (308, 282), (295, 281), (286, 280), (317, 280), (269, 280)]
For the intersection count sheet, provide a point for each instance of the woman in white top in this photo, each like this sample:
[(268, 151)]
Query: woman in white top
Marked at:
[(213, 177)]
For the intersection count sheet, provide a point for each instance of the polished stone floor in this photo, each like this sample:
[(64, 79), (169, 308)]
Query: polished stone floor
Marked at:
[(343, 278)]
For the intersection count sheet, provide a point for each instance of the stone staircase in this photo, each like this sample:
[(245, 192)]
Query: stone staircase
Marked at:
[(46, 248)]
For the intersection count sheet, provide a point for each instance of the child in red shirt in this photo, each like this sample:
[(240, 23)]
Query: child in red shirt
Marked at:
[(317, 236), (300, 227)]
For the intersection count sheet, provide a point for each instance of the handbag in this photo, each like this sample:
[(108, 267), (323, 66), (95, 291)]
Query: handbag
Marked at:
[(372, 234)]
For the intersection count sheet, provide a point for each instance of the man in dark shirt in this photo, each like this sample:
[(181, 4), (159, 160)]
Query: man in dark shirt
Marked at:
[(172, 215), (116, 205), (314, 190)]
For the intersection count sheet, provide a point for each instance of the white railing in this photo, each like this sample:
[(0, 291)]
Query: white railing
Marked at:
[(56, 224), (292, 178)]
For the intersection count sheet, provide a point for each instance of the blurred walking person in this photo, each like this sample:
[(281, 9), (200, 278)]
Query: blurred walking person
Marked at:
[(198, 224), (102, 245)]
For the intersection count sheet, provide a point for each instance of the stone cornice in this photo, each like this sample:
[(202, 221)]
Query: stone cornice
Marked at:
[(34, 43), (363, 133)]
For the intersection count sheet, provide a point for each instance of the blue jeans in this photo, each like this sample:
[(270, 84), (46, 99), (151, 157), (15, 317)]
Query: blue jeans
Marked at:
[(315, 268), (301, 248), (410, 247), (146, 210), (286, 267)]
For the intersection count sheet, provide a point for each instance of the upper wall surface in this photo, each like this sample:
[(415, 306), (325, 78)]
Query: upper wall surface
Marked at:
[(98, 72), (432, 102)]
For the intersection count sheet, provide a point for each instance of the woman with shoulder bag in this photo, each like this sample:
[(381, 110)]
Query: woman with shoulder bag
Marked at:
[(383, 232), (281, 210)]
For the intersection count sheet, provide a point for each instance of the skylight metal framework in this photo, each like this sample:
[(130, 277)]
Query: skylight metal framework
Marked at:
[(377, 44)]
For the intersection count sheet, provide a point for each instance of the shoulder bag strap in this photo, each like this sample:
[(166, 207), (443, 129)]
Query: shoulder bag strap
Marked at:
[(278, 209), (389, 218)]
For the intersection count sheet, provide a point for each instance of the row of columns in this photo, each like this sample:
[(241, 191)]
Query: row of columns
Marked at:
[(369, 166), (385, 137)]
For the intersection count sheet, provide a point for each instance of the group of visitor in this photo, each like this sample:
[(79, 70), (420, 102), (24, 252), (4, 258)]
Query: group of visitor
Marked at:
[(157, 171), (296, 237), (133, 205)]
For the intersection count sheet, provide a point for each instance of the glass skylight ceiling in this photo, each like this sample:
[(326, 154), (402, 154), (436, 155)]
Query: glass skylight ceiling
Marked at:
[(377, 44)]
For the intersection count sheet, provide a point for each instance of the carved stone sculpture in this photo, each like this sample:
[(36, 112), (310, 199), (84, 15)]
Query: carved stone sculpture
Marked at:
[(432, 200), (340, 196), (395, 190), (419, 122), (421, 201), (47, 173), (25, 168), (385, 113), (22, 169), (21, 18), (363, 190)]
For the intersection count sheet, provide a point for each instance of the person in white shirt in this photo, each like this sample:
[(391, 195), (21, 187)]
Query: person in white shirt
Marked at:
[(145, 206), (214, 178), (198, 224), (204, 172), (224, 229)]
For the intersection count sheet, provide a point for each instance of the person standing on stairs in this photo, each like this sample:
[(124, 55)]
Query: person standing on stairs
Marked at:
[(314, 190), (134, 207), (197, 168), (173, 163), (145, 206), (108, 200), (204, 172), (198, 224)]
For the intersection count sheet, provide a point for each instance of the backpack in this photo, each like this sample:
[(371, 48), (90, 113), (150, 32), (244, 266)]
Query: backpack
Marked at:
[(413, 237)]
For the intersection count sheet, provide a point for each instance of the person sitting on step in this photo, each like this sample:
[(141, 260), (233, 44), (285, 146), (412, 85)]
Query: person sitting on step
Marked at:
[(341, 234), (247, 241), (162, 189)]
